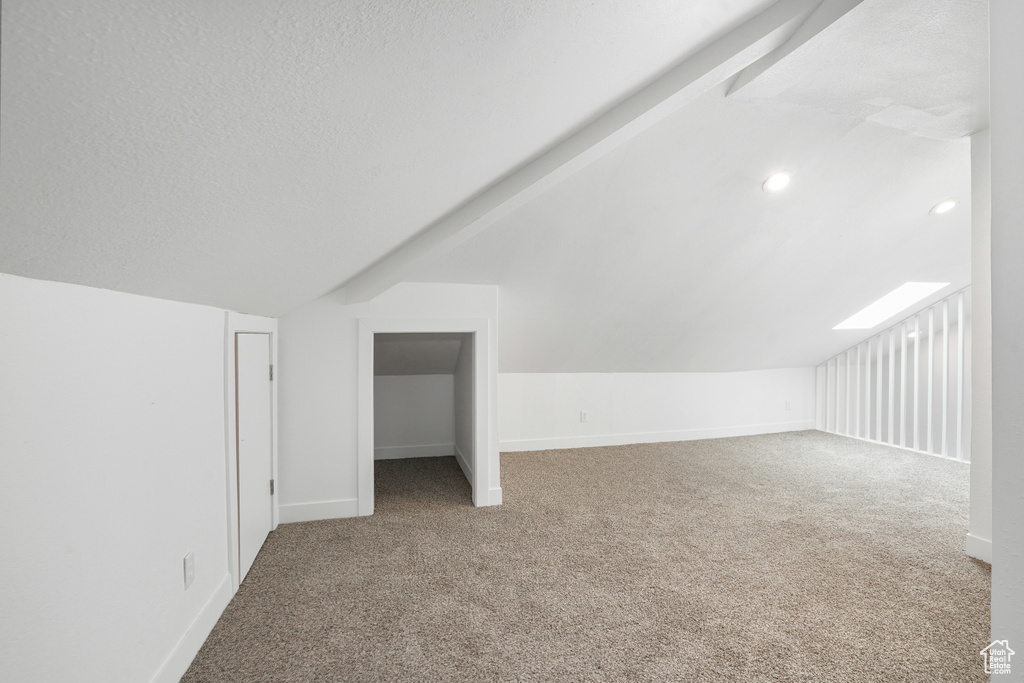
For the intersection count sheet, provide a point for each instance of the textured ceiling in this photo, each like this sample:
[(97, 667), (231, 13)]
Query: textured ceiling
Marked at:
[(255, 154), (666, 255), (919, 66)]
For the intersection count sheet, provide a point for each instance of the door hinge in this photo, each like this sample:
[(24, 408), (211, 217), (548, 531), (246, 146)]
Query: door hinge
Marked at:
[(271, 487), (271, 373)]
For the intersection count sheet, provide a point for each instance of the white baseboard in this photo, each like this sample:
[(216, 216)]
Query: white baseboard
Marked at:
[(428, 451), (311, 512), (467, 469), (979, 548), (650, 437), (177, 663), (491, 496), (495, 496)]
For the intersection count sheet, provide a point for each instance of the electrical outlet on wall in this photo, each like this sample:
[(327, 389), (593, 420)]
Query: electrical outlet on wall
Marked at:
[(584, 416), (190, 569), (789, 405)]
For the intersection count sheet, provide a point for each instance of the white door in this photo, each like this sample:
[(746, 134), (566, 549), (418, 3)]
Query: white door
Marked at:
[(254, 413)]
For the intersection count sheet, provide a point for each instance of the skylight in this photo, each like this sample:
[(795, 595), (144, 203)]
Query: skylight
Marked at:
[(896, 301)]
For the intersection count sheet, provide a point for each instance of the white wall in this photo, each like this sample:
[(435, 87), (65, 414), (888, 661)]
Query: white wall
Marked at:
[(979, 536), (318, 389), (1007, 61), (112, 430), (464, 448), (541, 411), (414, 416)]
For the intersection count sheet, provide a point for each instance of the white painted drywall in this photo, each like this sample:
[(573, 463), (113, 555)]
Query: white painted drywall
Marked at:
[(464, 447), (416, 354), (979, 536), (1007, 75), (413, 416), (647, 261), (318, 389), (112, 430), (541, 411), (279, 154), (714, 273)]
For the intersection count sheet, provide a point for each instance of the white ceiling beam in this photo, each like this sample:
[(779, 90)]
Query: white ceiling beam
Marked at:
[(823, 16), (694, 76)]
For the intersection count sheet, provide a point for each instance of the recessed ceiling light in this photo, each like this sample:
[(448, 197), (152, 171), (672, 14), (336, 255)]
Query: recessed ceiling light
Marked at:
[(776, 181), (943, 207), (899, 299)]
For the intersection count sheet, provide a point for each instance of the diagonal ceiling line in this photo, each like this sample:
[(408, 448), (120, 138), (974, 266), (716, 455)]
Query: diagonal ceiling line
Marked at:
[(685, 82), (823, 16)]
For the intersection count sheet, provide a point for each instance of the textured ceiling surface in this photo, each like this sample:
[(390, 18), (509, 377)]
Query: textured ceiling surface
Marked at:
[(918, 66), (666, 255), (255, 154), (647, 261)]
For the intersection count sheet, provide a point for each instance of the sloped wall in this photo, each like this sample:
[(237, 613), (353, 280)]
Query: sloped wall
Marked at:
[(112, 430)]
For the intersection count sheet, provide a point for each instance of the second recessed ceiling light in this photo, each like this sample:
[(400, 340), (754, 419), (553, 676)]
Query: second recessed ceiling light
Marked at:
[(776, 182)]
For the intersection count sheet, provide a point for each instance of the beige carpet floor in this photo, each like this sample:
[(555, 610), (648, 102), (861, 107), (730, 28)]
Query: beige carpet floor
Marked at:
[(785, 557)]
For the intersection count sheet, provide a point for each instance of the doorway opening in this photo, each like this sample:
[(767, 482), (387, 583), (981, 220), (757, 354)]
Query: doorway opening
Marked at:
[(423, 399), (425, 391)]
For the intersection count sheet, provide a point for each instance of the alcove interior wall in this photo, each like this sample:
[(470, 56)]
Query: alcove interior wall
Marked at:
[(422, 396)]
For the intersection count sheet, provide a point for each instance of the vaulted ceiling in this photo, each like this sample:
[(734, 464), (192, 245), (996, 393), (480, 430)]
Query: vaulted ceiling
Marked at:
[(255, 155)]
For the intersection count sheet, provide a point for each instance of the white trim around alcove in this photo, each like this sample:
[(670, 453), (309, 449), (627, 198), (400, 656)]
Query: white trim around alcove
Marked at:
[(485, 446)]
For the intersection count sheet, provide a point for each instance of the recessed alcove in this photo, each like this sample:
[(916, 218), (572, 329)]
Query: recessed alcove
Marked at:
[(423, 395), (425, 391)]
